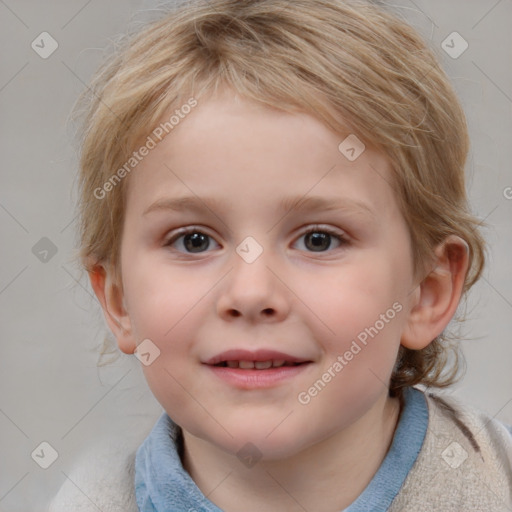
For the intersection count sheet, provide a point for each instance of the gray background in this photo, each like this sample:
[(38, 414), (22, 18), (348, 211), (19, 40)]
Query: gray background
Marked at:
[(52, 389)]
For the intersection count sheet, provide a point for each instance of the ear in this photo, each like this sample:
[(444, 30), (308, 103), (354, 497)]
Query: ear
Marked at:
[(110, 295), (436, 298)]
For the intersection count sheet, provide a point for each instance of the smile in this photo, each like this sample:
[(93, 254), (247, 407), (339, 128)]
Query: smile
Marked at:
[(254, 375), (256, 369)]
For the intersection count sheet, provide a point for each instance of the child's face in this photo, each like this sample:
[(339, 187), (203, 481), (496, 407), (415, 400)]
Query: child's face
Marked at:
[(306, 296)]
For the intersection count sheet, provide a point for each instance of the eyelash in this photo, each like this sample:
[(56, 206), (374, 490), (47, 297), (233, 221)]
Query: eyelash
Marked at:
[(342, 240)]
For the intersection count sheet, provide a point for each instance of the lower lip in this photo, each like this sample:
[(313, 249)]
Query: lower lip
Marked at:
[(252, 379)]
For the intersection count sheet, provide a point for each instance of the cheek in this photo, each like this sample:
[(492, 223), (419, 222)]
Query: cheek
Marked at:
[(353, 298), (160, 298), (167, 307)]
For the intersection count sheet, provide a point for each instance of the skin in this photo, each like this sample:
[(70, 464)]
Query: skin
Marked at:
[(292, 298)]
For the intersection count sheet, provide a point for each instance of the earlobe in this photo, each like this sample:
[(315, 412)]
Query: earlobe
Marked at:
[(110, 297), (437, 296)]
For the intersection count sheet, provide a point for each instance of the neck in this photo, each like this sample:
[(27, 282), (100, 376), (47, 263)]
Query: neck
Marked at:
[(310, 480)]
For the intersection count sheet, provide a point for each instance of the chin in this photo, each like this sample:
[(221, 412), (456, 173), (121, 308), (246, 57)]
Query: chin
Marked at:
[(250, 441)]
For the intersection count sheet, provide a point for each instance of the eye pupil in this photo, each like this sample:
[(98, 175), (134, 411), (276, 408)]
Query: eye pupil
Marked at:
[(319, 240), (195, 242)]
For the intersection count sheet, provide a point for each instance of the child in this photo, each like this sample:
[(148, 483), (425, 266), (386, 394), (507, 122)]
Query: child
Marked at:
[(275, 222)]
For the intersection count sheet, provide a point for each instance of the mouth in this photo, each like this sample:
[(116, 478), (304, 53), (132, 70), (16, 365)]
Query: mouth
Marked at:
[(259, 360), (252, 370)]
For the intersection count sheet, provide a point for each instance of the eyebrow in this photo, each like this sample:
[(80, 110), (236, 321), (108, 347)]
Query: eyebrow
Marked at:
[(303, 204)]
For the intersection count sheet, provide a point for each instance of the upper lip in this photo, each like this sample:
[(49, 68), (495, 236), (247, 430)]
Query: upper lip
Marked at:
[(258, 355)]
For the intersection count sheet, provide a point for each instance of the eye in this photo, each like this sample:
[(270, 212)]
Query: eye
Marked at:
[(194, 240), (319, 239)]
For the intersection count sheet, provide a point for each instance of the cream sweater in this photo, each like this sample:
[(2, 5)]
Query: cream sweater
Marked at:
[(465, 464)]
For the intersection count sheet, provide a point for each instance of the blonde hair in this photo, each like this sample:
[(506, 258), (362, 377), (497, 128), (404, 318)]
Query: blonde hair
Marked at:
[(346, 62)]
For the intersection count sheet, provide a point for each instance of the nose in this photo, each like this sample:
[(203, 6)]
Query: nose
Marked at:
[(254, 291)]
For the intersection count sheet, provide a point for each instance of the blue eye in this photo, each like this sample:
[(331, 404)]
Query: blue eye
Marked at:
[(194, 241)]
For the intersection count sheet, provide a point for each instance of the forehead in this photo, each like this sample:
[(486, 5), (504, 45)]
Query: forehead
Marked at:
[(230, 150)]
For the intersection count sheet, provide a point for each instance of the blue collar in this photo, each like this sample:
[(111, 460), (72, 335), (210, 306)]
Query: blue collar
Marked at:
[(163, 485)]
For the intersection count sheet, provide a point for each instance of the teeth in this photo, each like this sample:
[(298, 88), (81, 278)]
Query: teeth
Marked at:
[(258, 365), (262, 365)]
